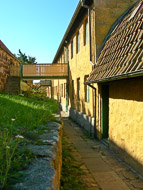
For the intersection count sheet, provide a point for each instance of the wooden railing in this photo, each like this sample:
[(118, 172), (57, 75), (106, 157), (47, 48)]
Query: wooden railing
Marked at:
[(45, 70), (14, 70), (40, 70)]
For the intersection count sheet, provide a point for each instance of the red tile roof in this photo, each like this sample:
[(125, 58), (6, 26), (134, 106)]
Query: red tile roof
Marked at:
[(123, 51), (3, 46)]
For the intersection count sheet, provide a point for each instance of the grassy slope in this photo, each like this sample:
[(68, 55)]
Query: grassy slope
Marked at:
[(20, 116), (28, 113)]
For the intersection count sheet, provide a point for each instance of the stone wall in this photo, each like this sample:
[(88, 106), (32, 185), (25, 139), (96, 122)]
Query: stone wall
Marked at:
[(5, 61), (44, 173), (126, 120), (85, 121)]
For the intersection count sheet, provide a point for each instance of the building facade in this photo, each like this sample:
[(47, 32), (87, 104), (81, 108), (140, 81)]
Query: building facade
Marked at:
[(80, 48), (118, 76)]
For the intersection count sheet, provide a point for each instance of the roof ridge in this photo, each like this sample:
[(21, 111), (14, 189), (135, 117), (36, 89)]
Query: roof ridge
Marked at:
[(2, 45)]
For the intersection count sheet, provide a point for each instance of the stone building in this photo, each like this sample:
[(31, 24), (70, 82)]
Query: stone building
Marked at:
[(118, 78), (7, 60), (80, 47), (103, 46)]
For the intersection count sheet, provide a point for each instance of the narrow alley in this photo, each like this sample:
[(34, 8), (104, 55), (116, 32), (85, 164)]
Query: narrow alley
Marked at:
[(109, 172)]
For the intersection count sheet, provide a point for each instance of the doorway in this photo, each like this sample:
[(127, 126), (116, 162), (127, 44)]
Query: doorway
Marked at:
[(104, 111)]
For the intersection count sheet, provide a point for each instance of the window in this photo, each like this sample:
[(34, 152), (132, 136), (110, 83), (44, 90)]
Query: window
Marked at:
[(71, 49), (78, 43), (78, 88), (64, 90), (61, 90), (72, 89), (66, 55), (86, 34), (86, 90)]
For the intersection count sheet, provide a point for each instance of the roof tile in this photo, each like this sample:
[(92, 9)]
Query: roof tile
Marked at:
[(123, 51)]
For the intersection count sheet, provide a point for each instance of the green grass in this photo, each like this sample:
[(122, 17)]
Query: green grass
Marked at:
[(24, 117), (28, 113)]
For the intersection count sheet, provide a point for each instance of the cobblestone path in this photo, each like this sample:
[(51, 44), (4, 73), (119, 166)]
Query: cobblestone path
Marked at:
[(104, 171)]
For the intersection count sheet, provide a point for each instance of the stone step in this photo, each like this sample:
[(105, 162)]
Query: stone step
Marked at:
[(12, 85)]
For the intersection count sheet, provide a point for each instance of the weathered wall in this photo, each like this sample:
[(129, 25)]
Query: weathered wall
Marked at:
[(79, 67), (126, 120), (5, 61), (106, 14)]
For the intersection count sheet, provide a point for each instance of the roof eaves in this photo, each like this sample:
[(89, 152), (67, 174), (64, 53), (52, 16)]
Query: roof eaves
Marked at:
[(67, 31), (123, 76)]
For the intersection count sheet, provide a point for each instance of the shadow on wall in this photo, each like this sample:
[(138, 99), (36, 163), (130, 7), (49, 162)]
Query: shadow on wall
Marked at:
[(127, 157), (128, 89), (126, 118)]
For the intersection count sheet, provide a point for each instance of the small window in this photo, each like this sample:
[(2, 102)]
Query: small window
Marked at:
[(71, 49), (66, 55), (64, 90), (61, 90), (72, 89), (78, 88), (86, 34), (56, 91), (78, 43), (87, 92)]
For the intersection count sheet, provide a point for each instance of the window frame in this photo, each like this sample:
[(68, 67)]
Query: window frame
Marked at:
[(71, 48), (64, 90), (78, 89), (78, 42), (73, 89), (86, 90), (86, 32)]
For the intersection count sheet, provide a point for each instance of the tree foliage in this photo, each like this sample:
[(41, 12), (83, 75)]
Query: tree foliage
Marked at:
[(23, 58)]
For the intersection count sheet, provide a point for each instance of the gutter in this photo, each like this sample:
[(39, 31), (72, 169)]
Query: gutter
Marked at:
[(123, 76)]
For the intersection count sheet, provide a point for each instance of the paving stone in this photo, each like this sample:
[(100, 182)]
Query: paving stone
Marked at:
[(96, 165), (109, 172), (110, 181)]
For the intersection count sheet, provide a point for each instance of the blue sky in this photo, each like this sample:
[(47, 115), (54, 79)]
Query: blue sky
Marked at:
[(35, 26)]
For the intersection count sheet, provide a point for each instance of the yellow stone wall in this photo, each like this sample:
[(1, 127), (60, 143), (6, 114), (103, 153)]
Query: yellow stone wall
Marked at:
[(79, 67), (106, 14), (59, 95), (126, 120)]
